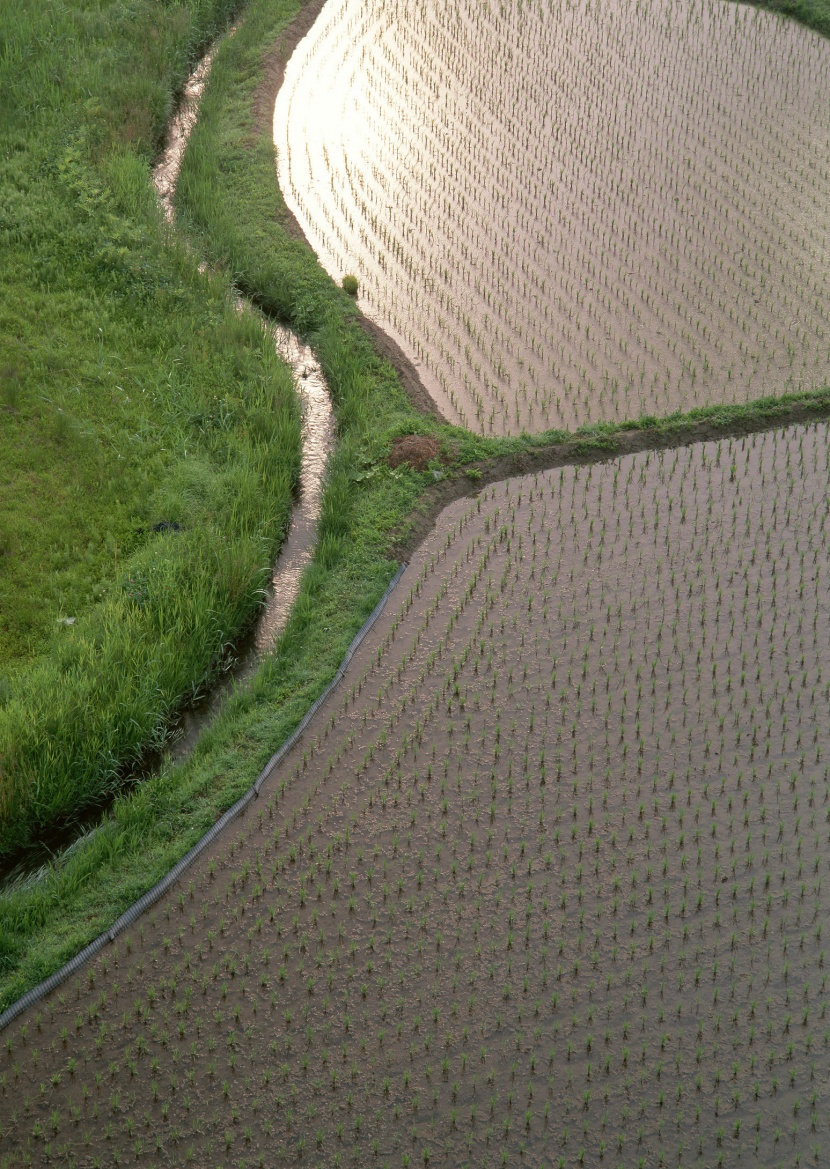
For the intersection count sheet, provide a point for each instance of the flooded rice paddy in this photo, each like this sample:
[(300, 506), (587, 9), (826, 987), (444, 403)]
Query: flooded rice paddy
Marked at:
[(571, 212), (545, 883)]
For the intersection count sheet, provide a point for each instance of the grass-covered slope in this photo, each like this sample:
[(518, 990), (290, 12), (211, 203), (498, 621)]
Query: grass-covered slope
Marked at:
[(131, 396), (365, 504), (814, 13)]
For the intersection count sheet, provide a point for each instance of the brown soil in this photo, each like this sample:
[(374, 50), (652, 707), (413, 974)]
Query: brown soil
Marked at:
[(265, 95), (408, 375), (275, 61), (546, 874), (413, 450)]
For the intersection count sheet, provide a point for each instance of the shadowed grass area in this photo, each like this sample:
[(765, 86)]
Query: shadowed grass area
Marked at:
[(132, 397), (814, 13)]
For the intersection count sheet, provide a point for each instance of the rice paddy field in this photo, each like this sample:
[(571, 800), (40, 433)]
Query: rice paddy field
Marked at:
[(571, 212), (545, 883)]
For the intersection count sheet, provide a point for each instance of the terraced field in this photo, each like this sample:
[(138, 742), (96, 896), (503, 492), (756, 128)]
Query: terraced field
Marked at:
[(546, 881), (570, 212)]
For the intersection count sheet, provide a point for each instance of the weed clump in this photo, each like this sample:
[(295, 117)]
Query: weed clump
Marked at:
[(414, 450)]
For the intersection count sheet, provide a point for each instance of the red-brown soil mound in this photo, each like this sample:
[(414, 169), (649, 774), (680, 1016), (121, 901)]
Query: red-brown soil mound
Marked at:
[(413, 450)]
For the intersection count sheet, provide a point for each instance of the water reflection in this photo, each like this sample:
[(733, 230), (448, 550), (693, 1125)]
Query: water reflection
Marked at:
[(570, 212)]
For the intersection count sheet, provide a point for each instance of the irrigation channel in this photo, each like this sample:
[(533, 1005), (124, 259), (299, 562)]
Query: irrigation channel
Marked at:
[(297, 548)]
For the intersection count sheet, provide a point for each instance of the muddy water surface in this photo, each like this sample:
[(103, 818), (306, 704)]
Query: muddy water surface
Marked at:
[(167, 169), (545, 883), (571, 212)]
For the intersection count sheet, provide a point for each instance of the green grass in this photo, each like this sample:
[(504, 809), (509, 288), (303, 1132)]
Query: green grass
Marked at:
[(814, 13), (84, 280), (152, 826), (130, 394), (229, 202)]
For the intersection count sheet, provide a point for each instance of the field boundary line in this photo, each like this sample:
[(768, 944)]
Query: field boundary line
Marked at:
[(604, 443), (161, 887)]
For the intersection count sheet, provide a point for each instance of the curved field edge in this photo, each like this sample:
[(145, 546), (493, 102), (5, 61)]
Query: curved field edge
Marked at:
[(144, 425), (371, 514), (815, 14), (522, 314), (482, 781)]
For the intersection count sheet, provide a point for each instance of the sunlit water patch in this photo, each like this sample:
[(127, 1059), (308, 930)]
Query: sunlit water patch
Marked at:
[(566, 212)]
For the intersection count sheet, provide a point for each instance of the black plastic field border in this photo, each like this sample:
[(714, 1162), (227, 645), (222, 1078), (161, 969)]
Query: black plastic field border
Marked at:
[(161, 887)]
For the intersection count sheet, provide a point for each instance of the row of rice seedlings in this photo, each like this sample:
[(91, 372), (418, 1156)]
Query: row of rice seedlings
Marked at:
[(626, 222), (546, 881)]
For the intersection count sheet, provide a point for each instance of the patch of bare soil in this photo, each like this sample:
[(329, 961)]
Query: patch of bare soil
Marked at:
[(414, 450)]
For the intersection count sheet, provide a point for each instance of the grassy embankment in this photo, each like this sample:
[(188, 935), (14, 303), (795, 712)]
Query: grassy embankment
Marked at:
[(230, 205), (814, 14), (131, 396)]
